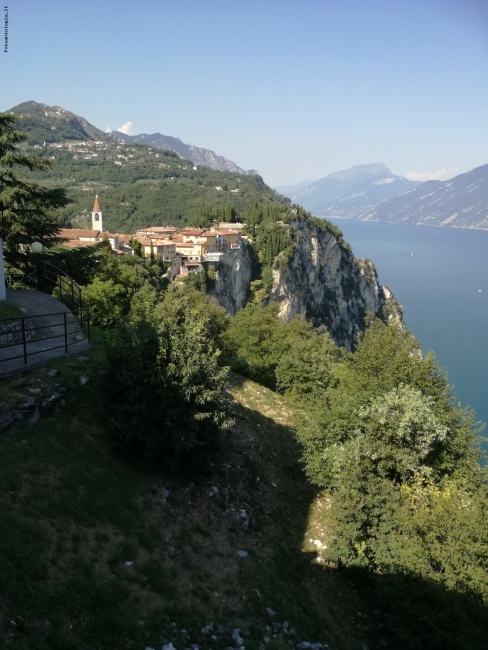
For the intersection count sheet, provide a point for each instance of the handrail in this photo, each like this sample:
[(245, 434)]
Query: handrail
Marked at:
[(62, 335), (46, 277), (43, 275)]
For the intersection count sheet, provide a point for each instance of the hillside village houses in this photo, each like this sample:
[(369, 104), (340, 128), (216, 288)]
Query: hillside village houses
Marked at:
[(186, 250)]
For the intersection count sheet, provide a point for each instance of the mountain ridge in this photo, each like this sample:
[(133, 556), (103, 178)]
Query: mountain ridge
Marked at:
[(51, 118), (197, 155), (460, 202), (45, 123), (349, 192)]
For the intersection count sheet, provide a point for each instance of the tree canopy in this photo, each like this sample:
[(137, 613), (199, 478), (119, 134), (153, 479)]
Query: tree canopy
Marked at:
[(25, 206)]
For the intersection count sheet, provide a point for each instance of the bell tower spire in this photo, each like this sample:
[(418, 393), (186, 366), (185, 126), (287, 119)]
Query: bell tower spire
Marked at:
[(97, 215)]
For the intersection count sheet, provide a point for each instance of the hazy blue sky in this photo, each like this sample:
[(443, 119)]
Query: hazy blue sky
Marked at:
[(295, 90)]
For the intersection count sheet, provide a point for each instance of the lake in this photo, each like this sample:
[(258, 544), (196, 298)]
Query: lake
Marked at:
[(440, 277)]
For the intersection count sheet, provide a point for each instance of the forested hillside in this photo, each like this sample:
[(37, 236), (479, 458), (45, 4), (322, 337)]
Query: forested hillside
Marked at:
[(139, 186)]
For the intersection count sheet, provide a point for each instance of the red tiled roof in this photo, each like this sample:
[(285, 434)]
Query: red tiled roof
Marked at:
[(125, 238), (75, 243), (76, 233), (159, 229), (96, 205)]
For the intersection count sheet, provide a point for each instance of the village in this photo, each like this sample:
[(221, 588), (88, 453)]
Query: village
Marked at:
[(185, 251)]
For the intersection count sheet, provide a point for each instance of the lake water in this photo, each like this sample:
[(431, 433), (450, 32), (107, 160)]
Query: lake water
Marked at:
[(440, 277)]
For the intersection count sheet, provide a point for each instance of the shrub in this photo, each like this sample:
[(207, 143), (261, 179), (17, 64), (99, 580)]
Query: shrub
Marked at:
[(163, 393)]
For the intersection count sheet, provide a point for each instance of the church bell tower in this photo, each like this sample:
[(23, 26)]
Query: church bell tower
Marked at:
[(97, 216)]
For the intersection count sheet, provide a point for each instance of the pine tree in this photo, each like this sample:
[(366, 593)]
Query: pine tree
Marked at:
[(25, 206)]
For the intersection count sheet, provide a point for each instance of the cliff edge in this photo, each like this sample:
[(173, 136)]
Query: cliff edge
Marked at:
[(319, 279)]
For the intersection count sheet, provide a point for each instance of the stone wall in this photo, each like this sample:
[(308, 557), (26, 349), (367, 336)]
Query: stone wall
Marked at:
[(11, 333)]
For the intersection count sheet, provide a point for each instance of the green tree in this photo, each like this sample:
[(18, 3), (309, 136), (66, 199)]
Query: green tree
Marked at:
[(390, 445), (136, 246), (122, 286), (305, 370), (179, 302), (164, 392), (25, 206)]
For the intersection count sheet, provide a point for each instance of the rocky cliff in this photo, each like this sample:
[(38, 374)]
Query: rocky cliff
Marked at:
[(198, 155), (321, 281), (233, 278), (325, 284)]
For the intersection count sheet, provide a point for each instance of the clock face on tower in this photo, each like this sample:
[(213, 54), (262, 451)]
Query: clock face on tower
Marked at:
[(97, 217)]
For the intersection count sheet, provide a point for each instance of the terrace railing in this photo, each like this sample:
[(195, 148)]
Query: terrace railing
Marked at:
[(29, 338), (43, 334)]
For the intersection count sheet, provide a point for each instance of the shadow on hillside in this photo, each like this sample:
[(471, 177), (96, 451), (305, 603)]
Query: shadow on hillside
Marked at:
[(319, 603), (418, 613), (341, 607)]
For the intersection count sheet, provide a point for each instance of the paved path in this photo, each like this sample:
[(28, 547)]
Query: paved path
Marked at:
[(48, 316)]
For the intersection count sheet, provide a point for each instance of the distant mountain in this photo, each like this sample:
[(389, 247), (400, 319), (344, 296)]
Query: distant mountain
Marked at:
[(348, 193), (461, 202), (368, 195), (43, 123), (197, 155), (293, 189)]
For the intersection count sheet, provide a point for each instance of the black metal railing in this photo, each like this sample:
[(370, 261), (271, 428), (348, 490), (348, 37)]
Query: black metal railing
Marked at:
[(52, 280), (34, 335), (29, 272)]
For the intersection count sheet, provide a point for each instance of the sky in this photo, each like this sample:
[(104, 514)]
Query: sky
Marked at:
[(296, 90)]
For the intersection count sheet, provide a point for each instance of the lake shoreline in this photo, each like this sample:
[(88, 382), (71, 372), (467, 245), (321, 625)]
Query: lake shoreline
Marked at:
[(406, 223), (440, 277)]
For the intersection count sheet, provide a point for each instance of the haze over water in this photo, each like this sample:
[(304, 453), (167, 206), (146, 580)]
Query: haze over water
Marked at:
[(440, 277)]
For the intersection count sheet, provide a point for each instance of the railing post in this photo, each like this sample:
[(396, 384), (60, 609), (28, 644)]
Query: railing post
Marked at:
[(88, 319), (80, 306), (24, 342), (65, 333), (38, 278)]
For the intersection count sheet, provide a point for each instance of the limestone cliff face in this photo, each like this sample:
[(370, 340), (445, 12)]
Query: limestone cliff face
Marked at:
[(322, 281), (233, 278), (325, 284)]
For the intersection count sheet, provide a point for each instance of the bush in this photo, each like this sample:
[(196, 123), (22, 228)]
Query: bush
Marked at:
[(163, 393)]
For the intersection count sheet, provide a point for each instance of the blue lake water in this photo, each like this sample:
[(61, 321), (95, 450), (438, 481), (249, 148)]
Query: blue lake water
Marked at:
[(440, 277)]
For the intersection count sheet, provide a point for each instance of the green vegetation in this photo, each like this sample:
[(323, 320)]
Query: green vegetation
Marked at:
[(124, 286), (399, 461), (25, 206), (9, 310), (62, 125), (164, 390), (402, 515), (147, 187), (402, 503), (73, 514)]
